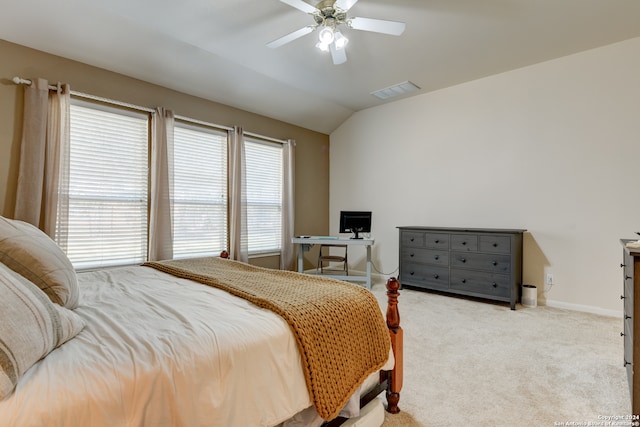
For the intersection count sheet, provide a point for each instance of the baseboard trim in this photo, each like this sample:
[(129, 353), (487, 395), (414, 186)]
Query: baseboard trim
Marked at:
[(375, 277), (584, 308)]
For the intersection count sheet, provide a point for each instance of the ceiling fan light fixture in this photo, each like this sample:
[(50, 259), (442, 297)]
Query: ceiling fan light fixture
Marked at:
[(322, 46), (340, 41), (326, 36), (328, 16)]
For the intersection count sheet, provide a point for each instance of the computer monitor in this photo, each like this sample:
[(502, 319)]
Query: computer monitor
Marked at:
[(355, 222)]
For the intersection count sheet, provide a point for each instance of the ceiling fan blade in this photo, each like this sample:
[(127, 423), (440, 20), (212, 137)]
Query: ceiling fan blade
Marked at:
[(393, 28), (339, 56), (345, 4), (300, 5), (290, 37)]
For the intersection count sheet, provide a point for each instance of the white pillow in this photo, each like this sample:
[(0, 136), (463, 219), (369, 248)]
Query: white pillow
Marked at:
[(29, 251), (31, 326)]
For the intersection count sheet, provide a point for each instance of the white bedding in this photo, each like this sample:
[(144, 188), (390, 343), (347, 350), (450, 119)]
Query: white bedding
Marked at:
[(152, 357)]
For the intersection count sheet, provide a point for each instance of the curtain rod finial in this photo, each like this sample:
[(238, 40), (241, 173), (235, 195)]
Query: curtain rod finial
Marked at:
[(17, 80)]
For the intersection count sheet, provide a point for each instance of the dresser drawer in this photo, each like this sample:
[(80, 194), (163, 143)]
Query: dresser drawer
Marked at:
[(436, 240), (628, 340), (425, 256), (628, 279), (628, 301), (412, 239), (486, 262), (464, 242), (479, 282), (495, 244), (628, 297), (430, 276), (628, 359)]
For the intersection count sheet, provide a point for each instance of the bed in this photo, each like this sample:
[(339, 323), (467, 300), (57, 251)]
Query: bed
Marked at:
[(199, 342)]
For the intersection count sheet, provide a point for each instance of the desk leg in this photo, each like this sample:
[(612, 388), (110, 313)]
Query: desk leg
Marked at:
[(368, 266), (300, 258)]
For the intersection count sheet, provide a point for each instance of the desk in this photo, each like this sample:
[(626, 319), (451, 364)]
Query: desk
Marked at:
[(305, 243)]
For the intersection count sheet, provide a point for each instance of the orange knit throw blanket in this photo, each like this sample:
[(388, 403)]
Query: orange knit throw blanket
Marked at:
[(339, 327)]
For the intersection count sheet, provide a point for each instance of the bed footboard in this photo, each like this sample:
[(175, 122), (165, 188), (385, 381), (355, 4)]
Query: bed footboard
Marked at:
[(394, 382), (390, 381)]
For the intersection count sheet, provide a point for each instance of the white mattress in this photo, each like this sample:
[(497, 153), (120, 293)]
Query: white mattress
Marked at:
[(151, 356)]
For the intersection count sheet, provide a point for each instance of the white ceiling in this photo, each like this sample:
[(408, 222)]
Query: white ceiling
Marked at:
[(216, 49)]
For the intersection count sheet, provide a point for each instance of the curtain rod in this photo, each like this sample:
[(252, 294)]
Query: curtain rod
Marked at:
[(228, 128), (202, 122), (266, 138), (21, 81)]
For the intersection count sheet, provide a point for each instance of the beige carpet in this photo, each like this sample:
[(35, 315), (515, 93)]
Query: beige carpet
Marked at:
[(470, 363)]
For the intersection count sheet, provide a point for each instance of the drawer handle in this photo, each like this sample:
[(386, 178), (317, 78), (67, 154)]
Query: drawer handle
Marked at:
[(621, 296), (622, 265), (495, 285), (437, 241), (410, 255), (464, 280), (621, 334), (494, 263), (627, 277), (626, 363), (463, 260), (437, 257), (626, 316), (411, 274), (495, 245), (435, 276), (464, 243)]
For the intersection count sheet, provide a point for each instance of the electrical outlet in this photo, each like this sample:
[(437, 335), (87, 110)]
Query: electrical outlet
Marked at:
[(549, 279)]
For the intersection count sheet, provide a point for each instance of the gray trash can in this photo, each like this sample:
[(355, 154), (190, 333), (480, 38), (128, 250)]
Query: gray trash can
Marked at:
[(529, 295)]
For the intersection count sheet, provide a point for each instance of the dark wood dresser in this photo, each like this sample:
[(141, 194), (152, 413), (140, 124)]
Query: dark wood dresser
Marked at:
[(477, 262), (631, 298)]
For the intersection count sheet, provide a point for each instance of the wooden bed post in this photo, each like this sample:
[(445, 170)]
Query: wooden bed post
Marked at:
[(395, 332)]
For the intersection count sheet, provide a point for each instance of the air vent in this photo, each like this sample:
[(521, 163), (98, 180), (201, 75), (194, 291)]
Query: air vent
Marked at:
[(395, 90)]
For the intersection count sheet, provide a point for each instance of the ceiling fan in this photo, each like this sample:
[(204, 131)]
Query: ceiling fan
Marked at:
[(328, 16)]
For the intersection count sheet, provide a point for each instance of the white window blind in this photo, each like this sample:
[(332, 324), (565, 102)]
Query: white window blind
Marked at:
[(200, 191), (108, 185), (264, 195)]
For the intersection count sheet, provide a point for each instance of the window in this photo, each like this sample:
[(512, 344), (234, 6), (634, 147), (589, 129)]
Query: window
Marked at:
[(108, 191), (108, 182), (264, 195), (200, 191)]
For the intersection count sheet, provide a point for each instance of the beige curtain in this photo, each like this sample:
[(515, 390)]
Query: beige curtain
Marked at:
[(288, 191), (238, 238), (161, 203), (42, 193)]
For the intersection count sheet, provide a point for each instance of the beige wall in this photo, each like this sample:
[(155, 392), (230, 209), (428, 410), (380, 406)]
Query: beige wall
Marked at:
[(312, 148), (553, 148)]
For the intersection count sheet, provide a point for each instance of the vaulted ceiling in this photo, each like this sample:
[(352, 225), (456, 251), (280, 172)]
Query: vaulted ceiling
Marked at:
[(216, 49)]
